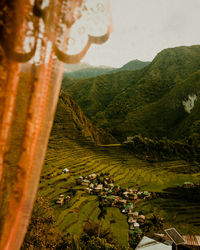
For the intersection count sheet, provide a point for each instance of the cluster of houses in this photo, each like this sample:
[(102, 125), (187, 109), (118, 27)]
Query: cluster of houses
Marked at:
[(115, 196), (135, 222), (126, 199)]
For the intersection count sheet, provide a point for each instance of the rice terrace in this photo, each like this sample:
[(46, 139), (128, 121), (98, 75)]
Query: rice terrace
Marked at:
[(141, 143), (99, 125), (127, 171)]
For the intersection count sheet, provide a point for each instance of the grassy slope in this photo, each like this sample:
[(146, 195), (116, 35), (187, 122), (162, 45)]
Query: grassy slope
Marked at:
[(70, 147), (75, 125), (126, 171)]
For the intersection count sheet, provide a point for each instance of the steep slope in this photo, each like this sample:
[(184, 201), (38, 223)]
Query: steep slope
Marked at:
[(95, 94), (167, 69), (74, 125), (111, 101), (175, 115), (67, 81)]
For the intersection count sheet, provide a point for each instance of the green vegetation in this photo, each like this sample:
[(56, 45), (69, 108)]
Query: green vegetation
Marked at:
[(147, 101), (125, 170), (88, 71), (133, 65), (71, 120), (93, 237), (165, 149), (42, 232)]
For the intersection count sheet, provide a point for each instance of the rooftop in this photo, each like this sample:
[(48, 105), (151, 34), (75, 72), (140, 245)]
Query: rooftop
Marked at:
[(151, 244)]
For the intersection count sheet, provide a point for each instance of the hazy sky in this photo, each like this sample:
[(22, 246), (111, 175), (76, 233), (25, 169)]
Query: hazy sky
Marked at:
[(142, 28)]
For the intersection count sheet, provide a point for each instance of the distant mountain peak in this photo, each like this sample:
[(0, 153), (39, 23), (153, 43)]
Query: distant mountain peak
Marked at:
[(160, 100), (135, 65), (69, 68)]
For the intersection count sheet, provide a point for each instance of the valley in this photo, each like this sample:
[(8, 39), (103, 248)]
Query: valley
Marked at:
[(151, 108), (126, 171), (149, 101)]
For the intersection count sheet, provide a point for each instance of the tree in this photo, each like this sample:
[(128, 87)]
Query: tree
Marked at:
[(93, 234), (98, 243), (42, 232)]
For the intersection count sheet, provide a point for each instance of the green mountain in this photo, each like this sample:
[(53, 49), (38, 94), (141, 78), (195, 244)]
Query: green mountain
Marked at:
[(162, 99), (95, 94), (71, 146), (75, 125), (133, 65), (89, 72), (86, 71), (131, 102), (169, 116)]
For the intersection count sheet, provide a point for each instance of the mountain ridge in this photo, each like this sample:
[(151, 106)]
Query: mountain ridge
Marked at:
[(89, 71), (108, 100), (75, 125)]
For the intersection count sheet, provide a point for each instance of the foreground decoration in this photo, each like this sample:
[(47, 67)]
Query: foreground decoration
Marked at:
[(36, 37)]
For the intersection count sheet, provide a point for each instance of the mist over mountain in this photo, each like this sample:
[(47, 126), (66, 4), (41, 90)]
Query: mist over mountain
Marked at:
[(149, 101), (133, 65), (84, 70), (74, 67), (89, 72)]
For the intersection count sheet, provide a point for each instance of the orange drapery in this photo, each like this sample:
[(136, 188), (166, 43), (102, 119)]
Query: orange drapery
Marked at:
[(31, 66)]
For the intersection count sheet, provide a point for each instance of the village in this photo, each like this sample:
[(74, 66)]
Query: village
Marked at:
[(111, 195), (126, 199)]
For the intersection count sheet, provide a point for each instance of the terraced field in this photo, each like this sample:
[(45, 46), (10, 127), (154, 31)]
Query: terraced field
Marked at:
[(82, 158)]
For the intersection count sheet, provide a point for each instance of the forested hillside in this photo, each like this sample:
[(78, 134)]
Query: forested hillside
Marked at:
[(92, 71), (89, 72), (150, 101), (74, 125), (133, 65), (158, 108)]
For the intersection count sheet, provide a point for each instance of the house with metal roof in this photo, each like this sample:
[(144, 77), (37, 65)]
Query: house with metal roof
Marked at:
[(135, 214), (136, 225), (191, 242), (182, 242), (150, 244), (60, 200), (188, 184), (131, 220), (92, 176), (66, 170)]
